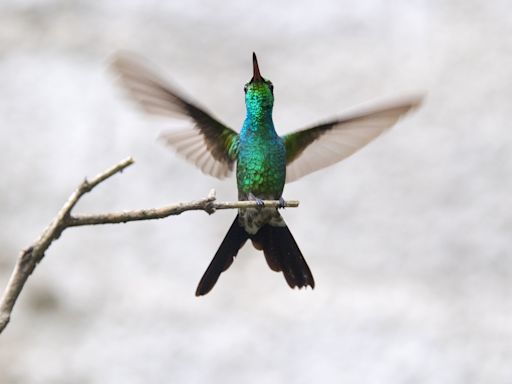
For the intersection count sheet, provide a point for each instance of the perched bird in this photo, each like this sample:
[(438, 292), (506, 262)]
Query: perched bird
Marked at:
[(264, 160)]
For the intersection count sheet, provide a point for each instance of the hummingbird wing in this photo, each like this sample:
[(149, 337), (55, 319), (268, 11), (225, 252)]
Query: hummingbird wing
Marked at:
[(210, 145), (314, 148)]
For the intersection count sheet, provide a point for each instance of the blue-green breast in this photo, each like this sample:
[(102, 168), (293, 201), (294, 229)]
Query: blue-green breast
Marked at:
[(261, 165)]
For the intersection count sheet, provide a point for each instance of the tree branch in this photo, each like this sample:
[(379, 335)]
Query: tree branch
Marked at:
[(31, 256)]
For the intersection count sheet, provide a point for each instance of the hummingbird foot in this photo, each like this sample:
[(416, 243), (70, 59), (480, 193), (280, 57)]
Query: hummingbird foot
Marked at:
[(282, 203), (258, 201)]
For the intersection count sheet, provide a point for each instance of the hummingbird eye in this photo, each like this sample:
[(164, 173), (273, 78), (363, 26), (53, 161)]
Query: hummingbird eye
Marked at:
[(245, 88), (271, 86)]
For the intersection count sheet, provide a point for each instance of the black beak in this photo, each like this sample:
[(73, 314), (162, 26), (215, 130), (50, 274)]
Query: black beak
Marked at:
[(255, 69)]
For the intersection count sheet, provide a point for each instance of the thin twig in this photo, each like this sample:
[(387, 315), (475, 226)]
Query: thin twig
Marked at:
[(207, 204), (31, 256)]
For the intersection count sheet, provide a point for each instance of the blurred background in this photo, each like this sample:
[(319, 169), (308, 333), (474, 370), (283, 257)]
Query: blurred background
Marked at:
[(409, 240)]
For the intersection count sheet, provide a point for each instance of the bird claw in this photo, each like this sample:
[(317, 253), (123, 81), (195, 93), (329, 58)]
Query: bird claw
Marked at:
[(257, 200), (282, 203)]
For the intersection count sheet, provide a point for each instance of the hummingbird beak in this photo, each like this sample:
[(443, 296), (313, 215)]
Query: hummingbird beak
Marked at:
[(256, 70)]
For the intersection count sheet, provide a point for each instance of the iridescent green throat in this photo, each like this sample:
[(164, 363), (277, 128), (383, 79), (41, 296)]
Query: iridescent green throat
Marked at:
[(259, 101)]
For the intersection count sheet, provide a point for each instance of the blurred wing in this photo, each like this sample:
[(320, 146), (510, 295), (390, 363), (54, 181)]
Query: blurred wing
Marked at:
[(210, 145), (315, 148)]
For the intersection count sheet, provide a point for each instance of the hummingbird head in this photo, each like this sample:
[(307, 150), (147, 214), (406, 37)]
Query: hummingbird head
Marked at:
[(259, 92)]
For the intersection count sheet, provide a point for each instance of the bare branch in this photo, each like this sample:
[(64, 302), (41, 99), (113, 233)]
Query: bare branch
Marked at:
[(208, 205), (30, 257)]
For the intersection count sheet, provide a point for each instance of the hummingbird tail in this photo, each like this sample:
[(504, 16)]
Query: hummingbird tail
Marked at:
[(283, 254), (233, 241)]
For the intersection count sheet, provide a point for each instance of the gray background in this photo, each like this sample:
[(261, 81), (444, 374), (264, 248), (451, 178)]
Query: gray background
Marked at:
[(409, 240)]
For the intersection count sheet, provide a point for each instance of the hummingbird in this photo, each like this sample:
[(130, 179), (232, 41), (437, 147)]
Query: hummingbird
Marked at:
[(264, 160)]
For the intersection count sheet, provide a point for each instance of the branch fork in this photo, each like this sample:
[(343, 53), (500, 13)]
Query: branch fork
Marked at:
[(32, 255)]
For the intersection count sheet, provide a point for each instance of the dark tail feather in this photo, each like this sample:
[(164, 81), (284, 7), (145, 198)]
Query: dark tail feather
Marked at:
[(283, 254), (234, 240)]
